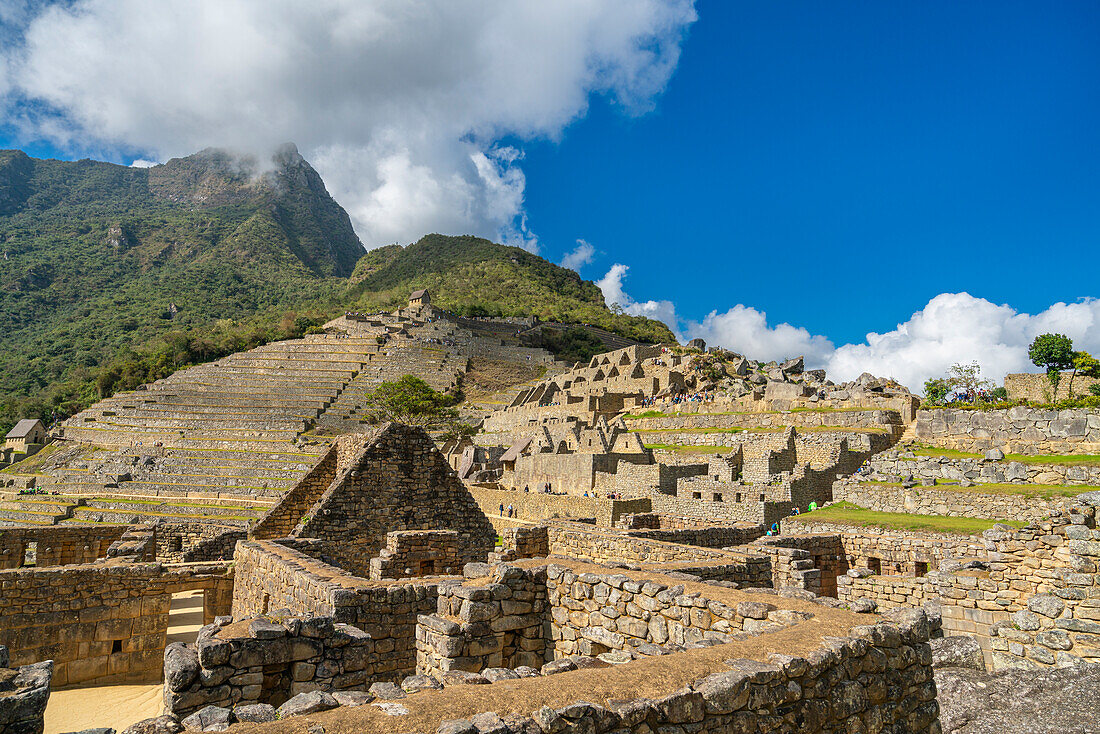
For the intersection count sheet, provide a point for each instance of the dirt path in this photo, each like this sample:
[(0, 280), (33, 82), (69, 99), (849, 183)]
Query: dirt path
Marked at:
[(119, 706), (76, 709)]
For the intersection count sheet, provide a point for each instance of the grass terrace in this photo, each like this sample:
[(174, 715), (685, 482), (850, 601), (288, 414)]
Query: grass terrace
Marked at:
[(1063, 459), (845, 513), (1042, 491)]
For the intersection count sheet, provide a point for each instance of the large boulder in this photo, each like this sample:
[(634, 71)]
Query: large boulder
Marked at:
[(157, 725), (307, 703), (1021, 701), (960, 651)]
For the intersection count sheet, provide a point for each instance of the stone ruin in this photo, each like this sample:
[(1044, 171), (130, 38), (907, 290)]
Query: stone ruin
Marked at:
[(356, 580)]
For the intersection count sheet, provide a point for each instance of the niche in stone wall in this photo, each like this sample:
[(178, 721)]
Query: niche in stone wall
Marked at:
[(874, 565)]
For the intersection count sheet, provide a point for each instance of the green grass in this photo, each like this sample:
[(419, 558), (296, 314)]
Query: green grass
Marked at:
[(31, 464), (1044, 491), (1061, 459), (846, 513)]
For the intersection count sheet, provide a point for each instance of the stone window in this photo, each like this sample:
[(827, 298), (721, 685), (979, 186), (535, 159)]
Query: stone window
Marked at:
[(921, 568), (697, 495), (874, 565), (717, 496), (175, 544), (737, 497), (30, 553), (116, 646)]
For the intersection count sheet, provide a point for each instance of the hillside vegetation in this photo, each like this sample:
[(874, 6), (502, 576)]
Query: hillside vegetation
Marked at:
[(112, 276)]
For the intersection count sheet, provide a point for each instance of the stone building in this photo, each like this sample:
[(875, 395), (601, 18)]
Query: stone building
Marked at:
[(26, 437), (419, 298), (370, 486)]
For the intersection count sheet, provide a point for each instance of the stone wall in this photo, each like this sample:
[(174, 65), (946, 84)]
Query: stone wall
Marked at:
[(56, 545), (879, 678), (538, 506), (100, 620), (1016, 430), (885, 420), (193, 542), (704, 537), (1035, 388), (947, 500), (260, 660), (417, 553), (576, 541), (270, 576), (896, 552), (571, 473), (494, 625), (900, 464), (889, 592), (1030, 596)]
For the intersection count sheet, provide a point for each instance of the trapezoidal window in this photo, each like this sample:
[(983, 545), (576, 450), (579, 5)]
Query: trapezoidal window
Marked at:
[(874, 565)]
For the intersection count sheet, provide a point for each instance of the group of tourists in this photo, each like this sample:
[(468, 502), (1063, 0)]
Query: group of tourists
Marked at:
[(774, 529)]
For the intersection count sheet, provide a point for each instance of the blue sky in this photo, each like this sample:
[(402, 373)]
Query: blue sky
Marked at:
[(839, 164), (843, 168)]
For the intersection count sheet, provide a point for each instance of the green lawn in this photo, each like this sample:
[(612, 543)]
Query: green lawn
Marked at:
[(848, 514)]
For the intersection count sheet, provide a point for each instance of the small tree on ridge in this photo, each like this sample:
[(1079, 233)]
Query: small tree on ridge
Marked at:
[(1054, 353)]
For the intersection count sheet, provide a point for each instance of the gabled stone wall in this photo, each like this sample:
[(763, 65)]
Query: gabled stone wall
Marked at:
[(398, 481)]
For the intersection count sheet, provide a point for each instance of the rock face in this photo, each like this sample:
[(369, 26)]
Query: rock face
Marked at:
[(1050, 701)]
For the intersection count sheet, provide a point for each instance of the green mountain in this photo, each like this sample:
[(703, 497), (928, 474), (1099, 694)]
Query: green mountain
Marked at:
[(95, 257), (475, 277), (112, 276)]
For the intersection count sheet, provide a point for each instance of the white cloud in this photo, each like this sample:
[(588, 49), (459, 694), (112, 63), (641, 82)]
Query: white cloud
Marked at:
[(142, 163), (745, 330), (580, 256), (401, 104), (611, 285), (957, 327), (951, 328)]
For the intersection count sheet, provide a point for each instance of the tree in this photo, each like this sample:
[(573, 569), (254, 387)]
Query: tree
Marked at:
[(1086, 364), (935, 390), (1054, 353), (412, 401), (968, 377)]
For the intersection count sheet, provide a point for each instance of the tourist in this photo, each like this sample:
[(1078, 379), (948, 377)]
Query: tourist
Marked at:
[(502, 509), (526, 489), (511, 511)]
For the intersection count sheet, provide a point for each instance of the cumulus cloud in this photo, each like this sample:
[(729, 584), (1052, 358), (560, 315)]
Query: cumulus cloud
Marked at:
[(402, 105), (142, 163), (951, 328), (746, 330), (611, 285), (957, 327), (580, 256)]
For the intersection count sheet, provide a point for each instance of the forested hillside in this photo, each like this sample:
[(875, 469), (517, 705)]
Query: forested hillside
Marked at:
[(112, 276)]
